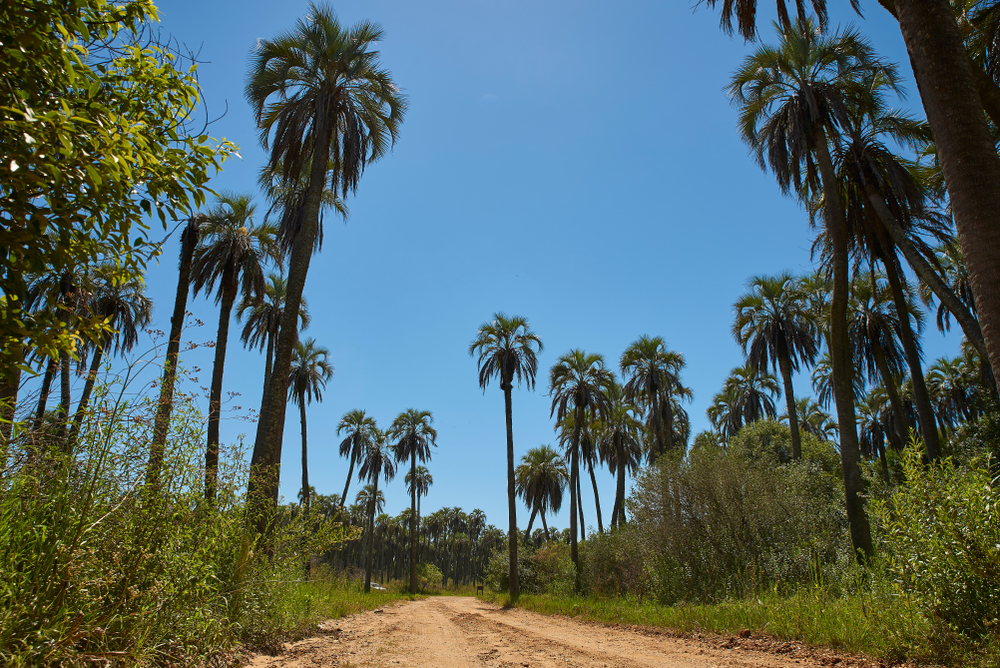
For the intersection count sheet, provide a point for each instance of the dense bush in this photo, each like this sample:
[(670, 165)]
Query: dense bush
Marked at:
[(95, 567), (544, 570), (728, 523), (940, 537)]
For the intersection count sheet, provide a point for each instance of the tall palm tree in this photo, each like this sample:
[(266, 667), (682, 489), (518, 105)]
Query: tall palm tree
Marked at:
[(419, 480), (376, 460), (306, 379), (414, 437), (126, 310), (746, 396), (652, 374), (541, 478), (262, 318), (619, 442), (360, 430), (578, 383), (813, 419), (794, 100), (508, 349), (952, 94), (775, 326), (190, 236), (233, 253), (325, 110)]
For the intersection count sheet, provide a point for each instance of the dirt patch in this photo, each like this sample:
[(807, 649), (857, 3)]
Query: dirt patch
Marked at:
[(455, 632)]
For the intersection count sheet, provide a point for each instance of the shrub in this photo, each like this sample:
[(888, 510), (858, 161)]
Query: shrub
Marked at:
[(940, 534)]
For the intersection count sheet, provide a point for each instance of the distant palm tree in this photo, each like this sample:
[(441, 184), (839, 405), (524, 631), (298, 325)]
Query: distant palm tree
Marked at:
[(619, 442), (376, 460), (813, 419), (414, 437), (652, 376), (325, 109), (775, 327), (306, 379), (233, 253), (190, 236), (262, 316), (541, 478), (360, 430), (746, 397), (423, 480), (507, 348), (578, 384)]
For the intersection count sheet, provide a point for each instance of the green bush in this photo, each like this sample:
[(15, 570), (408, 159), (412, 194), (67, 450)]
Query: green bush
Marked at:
[(940, 537), (546, 570)]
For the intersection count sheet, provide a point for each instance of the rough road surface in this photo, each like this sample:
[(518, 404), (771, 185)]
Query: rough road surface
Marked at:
[(453, 632)]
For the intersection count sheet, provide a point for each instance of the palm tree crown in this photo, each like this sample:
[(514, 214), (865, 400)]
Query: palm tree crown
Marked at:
[(414, 437), (653, 378), (541, 478)]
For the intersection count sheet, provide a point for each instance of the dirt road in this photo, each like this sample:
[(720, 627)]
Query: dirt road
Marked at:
[(454, 632)]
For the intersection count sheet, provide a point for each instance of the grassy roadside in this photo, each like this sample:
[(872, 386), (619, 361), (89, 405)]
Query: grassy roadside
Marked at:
[(889, 630)]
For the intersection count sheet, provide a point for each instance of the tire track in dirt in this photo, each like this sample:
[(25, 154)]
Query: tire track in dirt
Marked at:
[(464, 632)]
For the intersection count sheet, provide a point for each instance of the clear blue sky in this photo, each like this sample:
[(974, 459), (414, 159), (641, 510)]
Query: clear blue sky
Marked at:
[(573, 162)]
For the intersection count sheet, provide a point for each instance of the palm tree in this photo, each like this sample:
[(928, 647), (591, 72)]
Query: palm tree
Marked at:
[(325, 109), (653, 377), (541, 478), (793, 102), (813, 419), (507, 348), (950, 90), (578, 384), (421, 479), (414, 437), (262, 317), (774, 325), (306, 379), (161, 423), (746, 397), (874, 426), (233, 252), (376, 460), (126, 310), (619, 442), (360, 430)]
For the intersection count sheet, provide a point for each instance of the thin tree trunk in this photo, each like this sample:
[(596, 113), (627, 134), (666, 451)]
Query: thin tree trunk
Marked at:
[(574, 474), (229, 289), (579, 507), (965, 148), (371, 535), (350, 472), (161, 423), (265, 464), (925, 413), (785, 365), (88, 388), (840, 357), (597, 498), (889, 383), (413, 521), (43, 394), (531, 520), (305, 455), (10, 383), (657, 426), (515, 586), (268, 359), (620, 495), (545, 527), (668, 412), (64, 398)]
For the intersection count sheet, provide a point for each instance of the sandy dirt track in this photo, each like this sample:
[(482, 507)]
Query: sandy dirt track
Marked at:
[(454, 632)]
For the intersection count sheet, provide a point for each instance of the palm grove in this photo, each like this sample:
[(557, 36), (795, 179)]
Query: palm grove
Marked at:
[(889, 197)]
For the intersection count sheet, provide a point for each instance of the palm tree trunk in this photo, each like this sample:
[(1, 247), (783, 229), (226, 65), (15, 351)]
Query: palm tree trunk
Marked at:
[(619, 518), (889, 383), (964, 146), (215, 395), (161, 423), (515, 586), (43, 394), (268, 359), (840, 356), (785, 365), (531, 521), (657, 426), (305, 454), (371, 535), (597, 498), (265, 464), (350, 472), (668, 412), (574, 474), (925, 413), (579, 507), (545, 527), (88, 388), (413, 521), (10, 383)]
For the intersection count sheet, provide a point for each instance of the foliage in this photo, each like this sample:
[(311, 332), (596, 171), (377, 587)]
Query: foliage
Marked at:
[(93, 130), (940, 533), (94, 566), (548, 569)]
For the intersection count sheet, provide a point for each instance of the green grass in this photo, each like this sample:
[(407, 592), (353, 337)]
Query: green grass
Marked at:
[(892, 630)]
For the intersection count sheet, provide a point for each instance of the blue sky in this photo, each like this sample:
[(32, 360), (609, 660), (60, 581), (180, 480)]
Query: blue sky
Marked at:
[(573, 162)]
